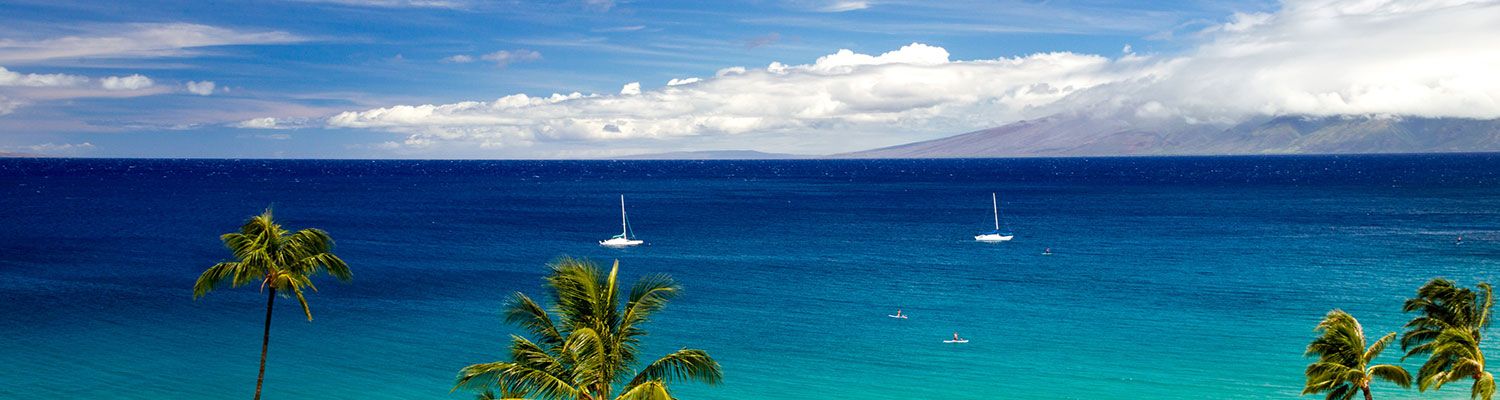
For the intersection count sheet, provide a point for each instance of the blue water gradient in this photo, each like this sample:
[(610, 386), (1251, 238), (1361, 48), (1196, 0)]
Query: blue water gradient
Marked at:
[(1171, 278)]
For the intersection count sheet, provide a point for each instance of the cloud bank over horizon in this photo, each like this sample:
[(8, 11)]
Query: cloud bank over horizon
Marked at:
[(1310, 58)]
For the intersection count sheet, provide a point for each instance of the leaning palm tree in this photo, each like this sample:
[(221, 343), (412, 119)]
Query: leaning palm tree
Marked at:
[(1448, 328), (1343, 368), (586, 345), (279, 261)]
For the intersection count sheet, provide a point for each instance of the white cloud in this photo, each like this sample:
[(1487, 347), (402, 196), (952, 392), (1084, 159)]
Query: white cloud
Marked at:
[(458, 59), (450, 4), (631, 89), (11, 78), (203, 88), (1313, 57), (628, 28), (131, 82), (1326, 58), (683, 81), (599, 5), (844, 5), (9, 105), (898, 90), (61, 149), (262, 123), (134, 41), (729, 71), (506, 57)]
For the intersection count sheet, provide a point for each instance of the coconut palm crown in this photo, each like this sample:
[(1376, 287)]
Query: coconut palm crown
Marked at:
[(587, 344), (1343, 367), (279, 262), (1448, 328)]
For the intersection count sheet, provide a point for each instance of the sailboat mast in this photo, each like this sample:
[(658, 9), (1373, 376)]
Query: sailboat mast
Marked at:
[(994, 201), (624, 229)]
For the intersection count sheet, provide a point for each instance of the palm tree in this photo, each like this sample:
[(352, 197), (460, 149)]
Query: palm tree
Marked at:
[(280, 261), (1448, 328), (592, 344), (1343, 368)]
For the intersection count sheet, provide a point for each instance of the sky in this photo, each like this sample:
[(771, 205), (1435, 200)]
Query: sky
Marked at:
[(600, 78)]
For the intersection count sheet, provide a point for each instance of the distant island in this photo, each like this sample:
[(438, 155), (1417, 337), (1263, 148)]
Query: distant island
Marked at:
[(1060, 136), (5, 154), (714, 155)]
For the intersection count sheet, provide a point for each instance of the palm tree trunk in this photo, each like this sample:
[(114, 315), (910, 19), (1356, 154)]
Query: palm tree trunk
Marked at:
[(265, 342), (1366, 389)]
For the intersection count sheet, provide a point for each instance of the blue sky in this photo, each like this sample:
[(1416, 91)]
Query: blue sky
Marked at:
[(295, 66)]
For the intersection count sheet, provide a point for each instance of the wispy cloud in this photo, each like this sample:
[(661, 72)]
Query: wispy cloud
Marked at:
[(134, 41), (763, 40), (504, 58), (630, 28), (449, 4), (844, 5)]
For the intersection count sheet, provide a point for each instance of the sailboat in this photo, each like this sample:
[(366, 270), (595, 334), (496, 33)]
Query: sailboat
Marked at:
[(623, 239), (995, 235)]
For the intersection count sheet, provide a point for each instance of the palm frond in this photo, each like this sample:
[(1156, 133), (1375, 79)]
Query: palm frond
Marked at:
[(685, 364), (651, 390), (535, 381), (1393, 374)]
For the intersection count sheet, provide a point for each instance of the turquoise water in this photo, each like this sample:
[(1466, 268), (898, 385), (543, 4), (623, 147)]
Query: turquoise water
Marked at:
[(1171, 278)]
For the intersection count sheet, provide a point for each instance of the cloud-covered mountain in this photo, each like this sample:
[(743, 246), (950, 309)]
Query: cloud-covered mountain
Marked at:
[(1073, 136), (1316, 58)]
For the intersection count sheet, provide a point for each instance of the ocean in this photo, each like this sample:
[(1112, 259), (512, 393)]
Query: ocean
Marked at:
[(1170, 278)]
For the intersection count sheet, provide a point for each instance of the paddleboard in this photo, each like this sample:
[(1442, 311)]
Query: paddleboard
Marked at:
[(956, 341), (896, 316)]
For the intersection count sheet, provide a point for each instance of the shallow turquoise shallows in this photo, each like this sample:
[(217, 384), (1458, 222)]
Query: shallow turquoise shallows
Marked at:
[(1170, 278)]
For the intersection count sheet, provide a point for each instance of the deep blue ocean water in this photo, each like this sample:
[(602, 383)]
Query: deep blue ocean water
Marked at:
[(1172, 277)]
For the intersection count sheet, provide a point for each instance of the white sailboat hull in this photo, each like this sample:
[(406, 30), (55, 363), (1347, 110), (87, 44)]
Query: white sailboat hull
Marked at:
[(620, 242), (993, 237)]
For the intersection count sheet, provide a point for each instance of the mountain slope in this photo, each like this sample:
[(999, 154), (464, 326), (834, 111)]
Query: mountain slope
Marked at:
[(1058, 136), (712, 155)]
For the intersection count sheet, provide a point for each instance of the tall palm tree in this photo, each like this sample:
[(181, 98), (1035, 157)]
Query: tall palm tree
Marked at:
[(1448, 328), (1343, 368), (280, 261), (591, 345)]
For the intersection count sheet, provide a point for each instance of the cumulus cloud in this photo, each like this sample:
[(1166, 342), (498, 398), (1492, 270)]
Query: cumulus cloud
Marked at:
[(458, 59), (63, 148), (203, 88), (11, 78), (263, 123), (631, 89), (903, 89), (683, 81), (131, 82), (506, 57), (1326, 58), (135, 41), (1312, 57)]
